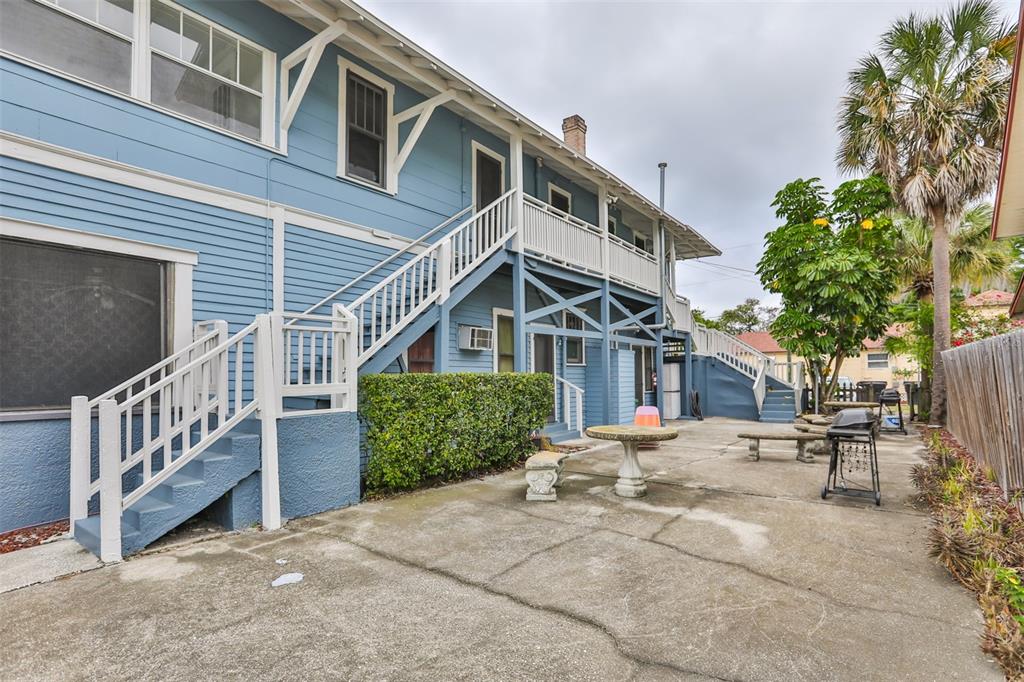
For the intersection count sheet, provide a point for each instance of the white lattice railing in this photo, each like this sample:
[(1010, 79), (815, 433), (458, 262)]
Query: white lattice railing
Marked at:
[(161, 419), (572, 405), (562, 238), (387, 308)]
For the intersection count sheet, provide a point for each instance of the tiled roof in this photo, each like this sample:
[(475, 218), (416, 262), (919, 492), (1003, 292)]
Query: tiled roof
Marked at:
[(992, 297), (762, 341)]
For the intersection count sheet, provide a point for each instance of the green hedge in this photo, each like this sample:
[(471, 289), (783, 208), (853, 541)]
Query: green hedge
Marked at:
[(423, 427)]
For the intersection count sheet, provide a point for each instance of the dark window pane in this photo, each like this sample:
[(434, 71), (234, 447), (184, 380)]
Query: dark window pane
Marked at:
[(506, 344), (250, 62), (74, 322), (195, 42), (488, 179), (365, 157), (560, 201), (225, 55), (54, 39), (209, 99)]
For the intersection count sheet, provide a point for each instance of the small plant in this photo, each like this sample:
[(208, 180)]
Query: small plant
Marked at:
[(954, 548)]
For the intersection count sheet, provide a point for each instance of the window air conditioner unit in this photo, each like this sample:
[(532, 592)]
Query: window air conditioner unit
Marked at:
[(474, 338)]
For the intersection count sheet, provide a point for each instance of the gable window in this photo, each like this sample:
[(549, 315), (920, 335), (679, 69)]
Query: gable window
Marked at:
[(88, 39), (559, 198), (878, 361), (177, 61), (575, 346)]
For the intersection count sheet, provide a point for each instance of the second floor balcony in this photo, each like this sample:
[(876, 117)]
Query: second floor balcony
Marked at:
[(575, 244)]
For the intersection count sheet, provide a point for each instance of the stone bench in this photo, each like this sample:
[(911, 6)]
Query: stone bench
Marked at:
[(801, 441), (544, 475)]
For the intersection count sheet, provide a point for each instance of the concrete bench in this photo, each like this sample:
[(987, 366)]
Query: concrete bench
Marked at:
[(544, 475), (801, 441)]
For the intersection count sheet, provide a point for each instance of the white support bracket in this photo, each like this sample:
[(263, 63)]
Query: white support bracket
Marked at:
[(422, 113), (311, 51)]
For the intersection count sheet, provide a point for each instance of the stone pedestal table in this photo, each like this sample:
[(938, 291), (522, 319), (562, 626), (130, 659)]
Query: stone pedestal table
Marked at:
[(631, 476)]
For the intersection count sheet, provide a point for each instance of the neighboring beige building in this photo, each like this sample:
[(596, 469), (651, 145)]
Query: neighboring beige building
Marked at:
[(1009, 207), (991, 303), (873, 364)]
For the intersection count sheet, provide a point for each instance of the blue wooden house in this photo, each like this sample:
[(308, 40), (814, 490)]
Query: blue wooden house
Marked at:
[(215, 215)]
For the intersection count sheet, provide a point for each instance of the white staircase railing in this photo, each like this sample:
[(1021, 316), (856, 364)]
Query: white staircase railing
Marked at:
[(392, 304), (729, 349), (161, 419), (572, 395), (760, 386)]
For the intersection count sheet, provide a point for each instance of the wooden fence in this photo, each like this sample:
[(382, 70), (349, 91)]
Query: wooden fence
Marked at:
[(985, 381)]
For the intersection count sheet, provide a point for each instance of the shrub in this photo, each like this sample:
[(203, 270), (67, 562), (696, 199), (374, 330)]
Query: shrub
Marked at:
[(430, 427)]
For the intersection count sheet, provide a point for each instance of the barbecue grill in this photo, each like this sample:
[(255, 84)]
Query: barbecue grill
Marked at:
[(890, 404), (852, 444)]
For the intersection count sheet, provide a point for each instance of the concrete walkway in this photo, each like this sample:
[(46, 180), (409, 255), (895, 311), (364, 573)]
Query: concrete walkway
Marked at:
[(728, 569)]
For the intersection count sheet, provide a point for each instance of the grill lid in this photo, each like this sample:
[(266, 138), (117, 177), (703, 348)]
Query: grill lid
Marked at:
[(890, 396), (856, 418)]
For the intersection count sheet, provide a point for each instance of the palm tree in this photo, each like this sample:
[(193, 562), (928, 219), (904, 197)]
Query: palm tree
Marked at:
[(927, 112), (973, 256)]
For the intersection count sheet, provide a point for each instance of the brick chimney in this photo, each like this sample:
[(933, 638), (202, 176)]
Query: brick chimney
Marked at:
[(574, 132)]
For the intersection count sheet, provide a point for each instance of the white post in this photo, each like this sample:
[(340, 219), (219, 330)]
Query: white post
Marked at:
[(515, 150), (602, 222), (269, 405), (579, 412), (110, 481), (221, 380), (444, 270), (81, 460), (347, 357)]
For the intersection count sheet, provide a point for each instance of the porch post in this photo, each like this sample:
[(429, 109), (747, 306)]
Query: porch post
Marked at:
[(515, 151), (659, 371), (688, 364), (442, 333), (606, 350), (602, 223), (519, 311)]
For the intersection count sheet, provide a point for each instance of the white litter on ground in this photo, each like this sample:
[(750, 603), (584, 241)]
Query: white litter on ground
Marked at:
[(281, 562), (287, 579)]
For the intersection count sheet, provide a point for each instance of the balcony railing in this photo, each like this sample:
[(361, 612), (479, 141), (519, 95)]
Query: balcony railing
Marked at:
[(577, 245)]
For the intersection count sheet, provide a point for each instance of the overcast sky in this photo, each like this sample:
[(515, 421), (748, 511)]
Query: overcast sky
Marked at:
[(738, 97)]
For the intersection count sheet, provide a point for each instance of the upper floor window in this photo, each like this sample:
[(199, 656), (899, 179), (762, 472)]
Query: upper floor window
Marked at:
[(87, 39), (179, 61), (878, 360), (364, 139), (204, 72), (559, 198)]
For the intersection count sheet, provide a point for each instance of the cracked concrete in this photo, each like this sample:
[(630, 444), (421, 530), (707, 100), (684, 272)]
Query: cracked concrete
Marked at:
[(729, 569)]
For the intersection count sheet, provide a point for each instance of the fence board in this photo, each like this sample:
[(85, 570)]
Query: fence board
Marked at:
[(985, 381)]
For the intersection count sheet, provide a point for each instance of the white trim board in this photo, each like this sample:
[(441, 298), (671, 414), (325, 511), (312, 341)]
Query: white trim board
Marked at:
[(46, 154)]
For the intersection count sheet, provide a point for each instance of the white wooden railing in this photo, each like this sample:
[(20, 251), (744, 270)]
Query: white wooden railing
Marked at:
[(678, 309), (161, 419), (729, 349), (562, 238), (632, 266), (572, 395), (392, 304), (760, 386), (791, 373)]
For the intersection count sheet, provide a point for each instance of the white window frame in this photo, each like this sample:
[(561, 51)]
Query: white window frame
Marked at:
[(180, 264), (613, 225), (583, 341), (869, 360), (390, 185), (475, 147), (555, 189), (140, 75)]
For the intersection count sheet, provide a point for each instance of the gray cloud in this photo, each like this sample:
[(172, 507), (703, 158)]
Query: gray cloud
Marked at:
[(738, 98)]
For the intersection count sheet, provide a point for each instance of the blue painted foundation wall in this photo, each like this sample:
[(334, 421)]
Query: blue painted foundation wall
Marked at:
[(724, 392)]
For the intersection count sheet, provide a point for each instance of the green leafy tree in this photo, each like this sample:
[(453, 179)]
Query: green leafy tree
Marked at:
[(973, 256), (834, 262), (702, 319), (927, 112), (749, 316)]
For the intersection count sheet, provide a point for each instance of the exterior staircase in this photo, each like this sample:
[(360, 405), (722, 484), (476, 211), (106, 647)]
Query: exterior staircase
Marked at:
[(779, 406), (190, 490)]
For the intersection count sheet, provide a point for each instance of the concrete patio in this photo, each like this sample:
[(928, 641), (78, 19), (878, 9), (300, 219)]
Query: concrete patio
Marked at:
[(729, 569)]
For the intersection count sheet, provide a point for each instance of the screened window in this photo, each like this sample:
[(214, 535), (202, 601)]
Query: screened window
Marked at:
[(575, 348), (89, 39), (366, 107), (644, 243), (205, 73), (878, 361), (61, 308)]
